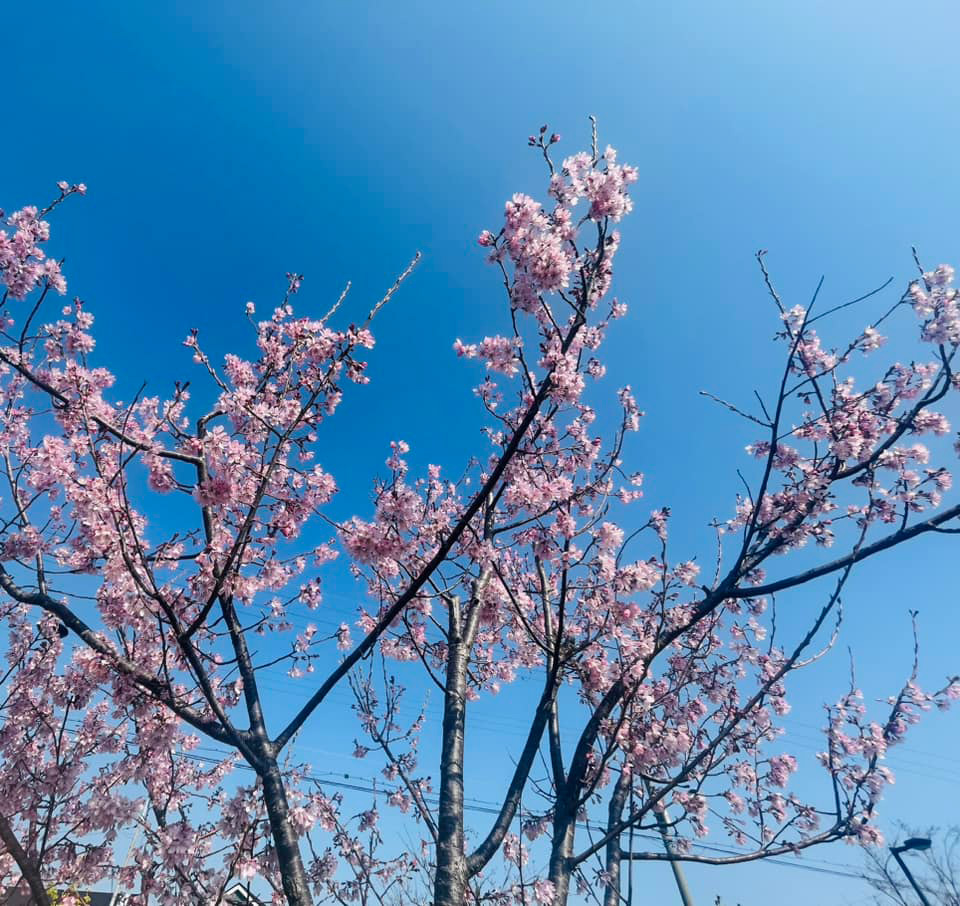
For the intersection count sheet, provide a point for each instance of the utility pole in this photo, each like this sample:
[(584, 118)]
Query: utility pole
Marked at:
[(662, 825), (133, 842), (685, 896)]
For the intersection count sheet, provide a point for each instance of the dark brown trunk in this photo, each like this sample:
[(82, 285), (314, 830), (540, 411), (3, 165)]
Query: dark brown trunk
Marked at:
[(295, 885), (30, 872)]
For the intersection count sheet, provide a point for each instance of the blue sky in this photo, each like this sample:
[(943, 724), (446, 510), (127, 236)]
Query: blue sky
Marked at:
[(227, 143)]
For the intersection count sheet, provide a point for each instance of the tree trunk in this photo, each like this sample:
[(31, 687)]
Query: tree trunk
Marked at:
[(568, 796), (564, 826), (450, 884), (611, 894), (30, 872), (295, 885)]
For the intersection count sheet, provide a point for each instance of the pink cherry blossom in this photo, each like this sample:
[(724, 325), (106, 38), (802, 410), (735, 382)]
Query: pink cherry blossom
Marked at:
[(158, 553)]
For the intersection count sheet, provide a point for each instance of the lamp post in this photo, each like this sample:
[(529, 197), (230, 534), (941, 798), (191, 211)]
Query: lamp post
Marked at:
[(917, 843)]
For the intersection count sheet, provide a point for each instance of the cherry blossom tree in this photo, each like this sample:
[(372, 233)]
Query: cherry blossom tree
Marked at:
[(166, 537), (59, 819), (680, 681), (170, 621)]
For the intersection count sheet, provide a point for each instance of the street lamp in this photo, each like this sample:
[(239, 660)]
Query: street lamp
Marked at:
[(919, 844)]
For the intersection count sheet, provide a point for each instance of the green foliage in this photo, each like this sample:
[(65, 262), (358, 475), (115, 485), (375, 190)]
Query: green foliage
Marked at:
[(56, 896)]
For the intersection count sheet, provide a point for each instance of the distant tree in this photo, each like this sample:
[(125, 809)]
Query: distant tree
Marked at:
[(173, 539), (60, 782), (77, 770)]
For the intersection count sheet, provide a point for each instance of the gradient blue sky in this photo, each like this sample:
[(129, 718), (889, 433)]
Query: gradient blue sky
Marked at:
[(227, 143)]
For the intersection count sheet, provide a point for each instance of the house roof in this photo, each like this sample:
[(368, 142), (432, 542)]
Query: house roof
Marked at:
[(240, 895)]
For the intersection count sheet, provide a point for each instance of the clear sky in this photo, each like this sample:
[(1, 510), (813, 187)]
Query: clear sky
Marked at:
[(227, 143)]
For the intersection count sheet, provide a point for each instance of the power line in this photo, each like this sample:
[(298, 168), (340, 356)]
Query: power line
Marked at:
[(369, 786), (474, 806)]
